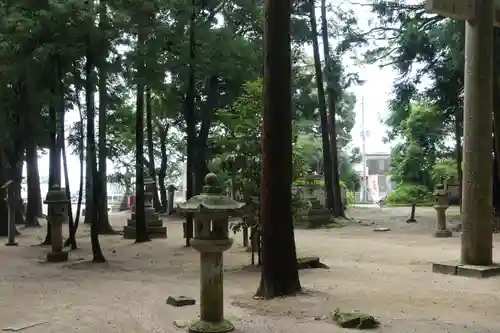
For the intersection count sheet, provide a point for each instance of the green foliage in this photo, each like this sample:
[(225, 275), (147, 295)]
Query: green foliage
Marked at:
[(413, 159), (445, 171), (409, 194)]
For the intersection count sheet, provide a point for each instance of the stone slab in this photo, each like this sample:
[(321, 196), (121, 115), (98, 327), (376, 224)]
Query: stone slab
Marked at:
[(476, 271), (154, 232), (178, 301), (57, 256)]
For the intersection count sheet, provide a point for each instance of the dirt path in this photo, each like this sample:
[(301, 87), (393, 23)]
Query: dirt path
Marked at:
[(385, 274)]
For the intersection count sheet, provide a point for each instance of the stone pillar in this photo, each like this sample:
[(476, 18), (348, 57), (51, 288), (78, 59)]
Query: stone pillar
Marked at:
[(57, 203), (477, 208), (170, 199), (441, 205)]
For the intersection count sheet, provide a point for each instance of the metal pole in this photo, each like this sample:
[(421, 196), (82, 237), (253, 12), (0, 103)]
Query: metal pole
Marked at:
[(363, 152)]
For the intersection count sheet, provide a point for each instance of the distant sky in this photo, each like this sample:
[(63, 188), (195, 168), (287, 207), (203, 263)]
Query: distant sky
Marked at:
[(375, 92)]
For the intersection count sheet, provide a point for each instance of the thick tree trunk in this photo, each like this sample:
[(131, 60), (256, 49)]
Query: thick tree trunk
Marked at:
[(162, 174), (97, 254), (333, 97), (151, 154), (4, 226), (327, 157), (279, 275), (102, 208), (34, 202)]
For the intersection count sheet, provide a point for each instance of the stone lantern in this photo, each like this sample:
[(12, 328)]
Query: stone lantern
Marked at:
[(441, 205), (153, 221), (211, 212), (57, 202), (170, 199)]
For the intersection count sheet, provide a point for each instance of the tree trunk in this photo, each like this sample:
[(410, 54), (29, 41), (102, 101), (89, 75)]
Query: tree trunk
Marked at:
[(327, 157), (151, 154), (279, 275), (190, 117), (102, 207), (72, 236), (4, 225), (71, 222), (332, 82), (141, 231), (34, 202), (162, 174), (97, 254)]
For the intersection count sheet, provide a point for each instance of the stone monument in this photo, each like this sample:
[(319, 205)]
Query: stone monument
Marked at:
[(316, 214), (57, 213), (211, 212), (441, 205), (153, 221), (170, 199)]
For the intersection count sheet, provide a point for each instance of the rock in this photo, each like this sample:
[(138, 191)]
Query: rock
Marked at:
[(310, 262), (182, 323), (356, 320), (381, 229), (178, 301)]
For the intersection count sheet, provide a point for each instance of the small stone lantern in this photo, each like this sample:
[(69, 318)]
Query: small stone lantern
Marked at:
[(57, 202), (211, 212), (441, 205)]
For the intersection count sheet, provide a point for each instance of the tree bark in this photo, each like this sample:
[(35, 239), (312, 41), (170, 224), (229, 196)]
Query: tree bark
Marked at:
[(327, 158), (34, 202), (102, 203), (151, 154), (4, 225), (162, 173), (141, 231), (279, 274), (332, 82)]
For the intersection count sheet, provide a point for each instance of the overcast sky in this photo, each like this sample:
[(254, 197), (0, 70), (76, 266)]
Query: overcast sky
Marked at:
[(375, 92)]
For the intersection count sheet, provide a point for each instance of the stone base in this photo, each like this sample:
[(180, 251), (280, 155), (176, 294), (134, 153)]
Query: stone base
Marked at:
[(154, 232), (456, 268), (443, 233), (201, 326), (57, 256)]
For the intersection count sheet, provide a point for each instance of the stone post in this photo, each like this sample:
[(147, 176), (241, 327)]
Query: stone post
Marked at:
[(477, 211), (441, 205), (170, 199), (211, 211), (11, 217), (57, 203)]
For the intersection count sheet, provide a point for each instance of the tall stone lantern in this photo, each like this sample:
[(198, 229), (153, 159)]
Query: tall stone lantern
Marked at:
[(57, 202), (441, 205), (211, 212)]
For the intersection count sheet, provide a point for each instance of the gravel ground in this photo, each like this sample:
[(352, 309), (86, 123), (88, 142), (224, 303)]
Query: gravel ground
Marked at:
[(385, 274)]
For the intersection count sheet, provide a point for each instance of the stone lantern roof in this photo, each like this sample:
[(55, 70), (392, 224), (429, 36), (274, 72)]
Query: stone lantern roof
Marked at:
[(56, 195), (211, 199)]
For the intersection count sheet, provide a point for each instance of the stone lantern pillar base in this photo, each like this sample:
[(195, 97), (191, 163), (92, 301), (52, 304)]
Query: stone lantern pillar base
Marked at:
[(202, 326), (443, 233), (57, 256)]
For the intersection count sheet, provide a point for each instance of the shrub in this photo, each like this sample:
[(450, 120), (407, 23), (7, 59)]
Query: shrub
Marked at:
[(408, 194)]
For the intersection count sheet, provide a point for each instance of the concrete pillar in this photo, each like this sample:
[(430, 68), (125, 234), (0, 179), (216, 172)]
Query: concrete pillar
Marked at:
[(477, 147)]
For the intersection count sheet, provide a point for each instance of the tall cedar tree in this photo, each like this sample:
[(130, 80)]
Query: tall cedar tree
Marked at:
[(279, 275)]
